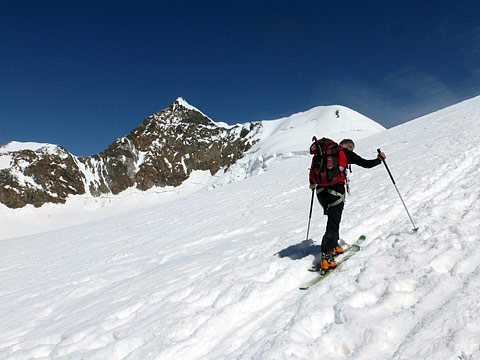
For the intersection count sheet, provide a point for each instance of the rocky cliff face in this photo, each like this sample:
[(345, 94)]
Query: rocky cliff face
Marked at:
[(162, 151), (47, 174)]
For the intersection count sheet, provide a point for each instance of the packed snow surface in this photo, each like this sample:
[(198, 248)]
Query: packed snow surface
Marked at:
[(215, 274)]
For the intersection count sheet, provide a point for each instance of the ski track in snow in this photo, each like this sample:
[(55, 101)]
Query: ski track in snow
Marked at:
[(197, 279)]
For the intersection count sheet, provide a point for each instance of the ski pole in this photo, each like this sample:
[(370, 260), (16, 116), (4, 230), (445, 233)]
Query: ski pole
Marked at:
[(310, 216), (396, 188)]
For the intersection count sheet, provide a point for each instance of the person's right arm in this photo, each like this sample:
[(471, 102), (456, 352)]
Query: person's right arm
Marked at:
[(353, 158)]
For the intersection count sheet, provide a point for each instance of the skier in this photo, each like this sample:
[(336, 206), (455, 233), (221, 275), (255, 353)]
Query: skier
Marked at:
[(332, 199)]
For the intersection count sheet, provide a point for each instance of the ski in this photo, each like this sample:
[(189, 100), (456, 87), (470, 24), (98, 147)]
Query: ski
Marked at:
[(353, 247), (347, 254)]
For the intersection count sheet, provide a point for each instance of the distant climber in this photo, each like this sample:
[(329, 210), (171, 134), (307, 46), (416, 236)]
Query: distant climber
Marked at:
[(328, 175), (337, 113)]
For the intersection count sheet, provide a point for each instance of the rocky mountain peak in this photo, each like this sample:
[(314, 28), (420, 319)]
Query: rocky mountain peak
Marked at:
[(162, 151), (181, 111), (182, 104)]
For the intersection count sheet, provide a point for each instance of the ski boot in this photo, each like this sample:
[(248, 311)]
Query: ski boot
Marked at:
[(328, 262), (338, 250)]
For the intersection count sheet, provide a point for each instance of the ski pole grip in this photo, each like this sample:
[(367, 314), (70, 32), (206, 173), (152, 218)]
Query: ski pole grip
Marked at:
[(380, 153)]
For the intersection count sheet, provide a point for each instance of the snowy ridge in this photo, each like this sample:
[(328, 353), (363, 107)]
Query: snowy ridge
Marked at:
[(292, 136), (290, 133), (17, 146), (197, 278), (6, 160)]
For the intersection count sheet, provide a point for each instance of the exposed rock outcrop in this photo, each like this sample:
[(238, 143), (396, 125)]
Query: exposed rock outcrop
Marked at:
[(162, 151)]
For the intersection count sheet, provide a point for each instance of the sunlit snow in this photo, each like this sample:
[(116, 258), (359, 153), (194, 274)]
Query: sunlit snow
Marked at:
[(194, 272)]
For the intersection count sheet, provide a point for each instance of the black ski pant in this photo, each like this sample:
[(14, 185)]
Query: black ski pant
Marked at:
[(333, 212)]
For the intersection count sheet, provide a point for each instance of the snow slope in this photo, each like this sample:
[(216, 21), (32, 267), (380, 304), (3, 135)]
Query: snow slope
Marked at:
[(202, 277), (288, 134), (285, 137), (292, 136)]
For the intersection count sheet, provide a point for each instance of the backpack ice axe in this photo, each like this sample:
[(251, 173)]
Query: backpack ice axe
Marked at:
[(396, 188)]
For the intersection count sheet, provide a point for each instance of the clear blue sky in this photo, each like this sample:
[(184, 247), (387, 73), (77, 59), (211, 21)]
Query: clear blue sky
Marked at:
[(83, 73)]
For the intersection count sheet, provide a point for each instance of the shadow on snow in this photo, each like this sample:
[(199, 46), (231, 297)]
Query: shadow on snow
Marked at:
[(301, 250)]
